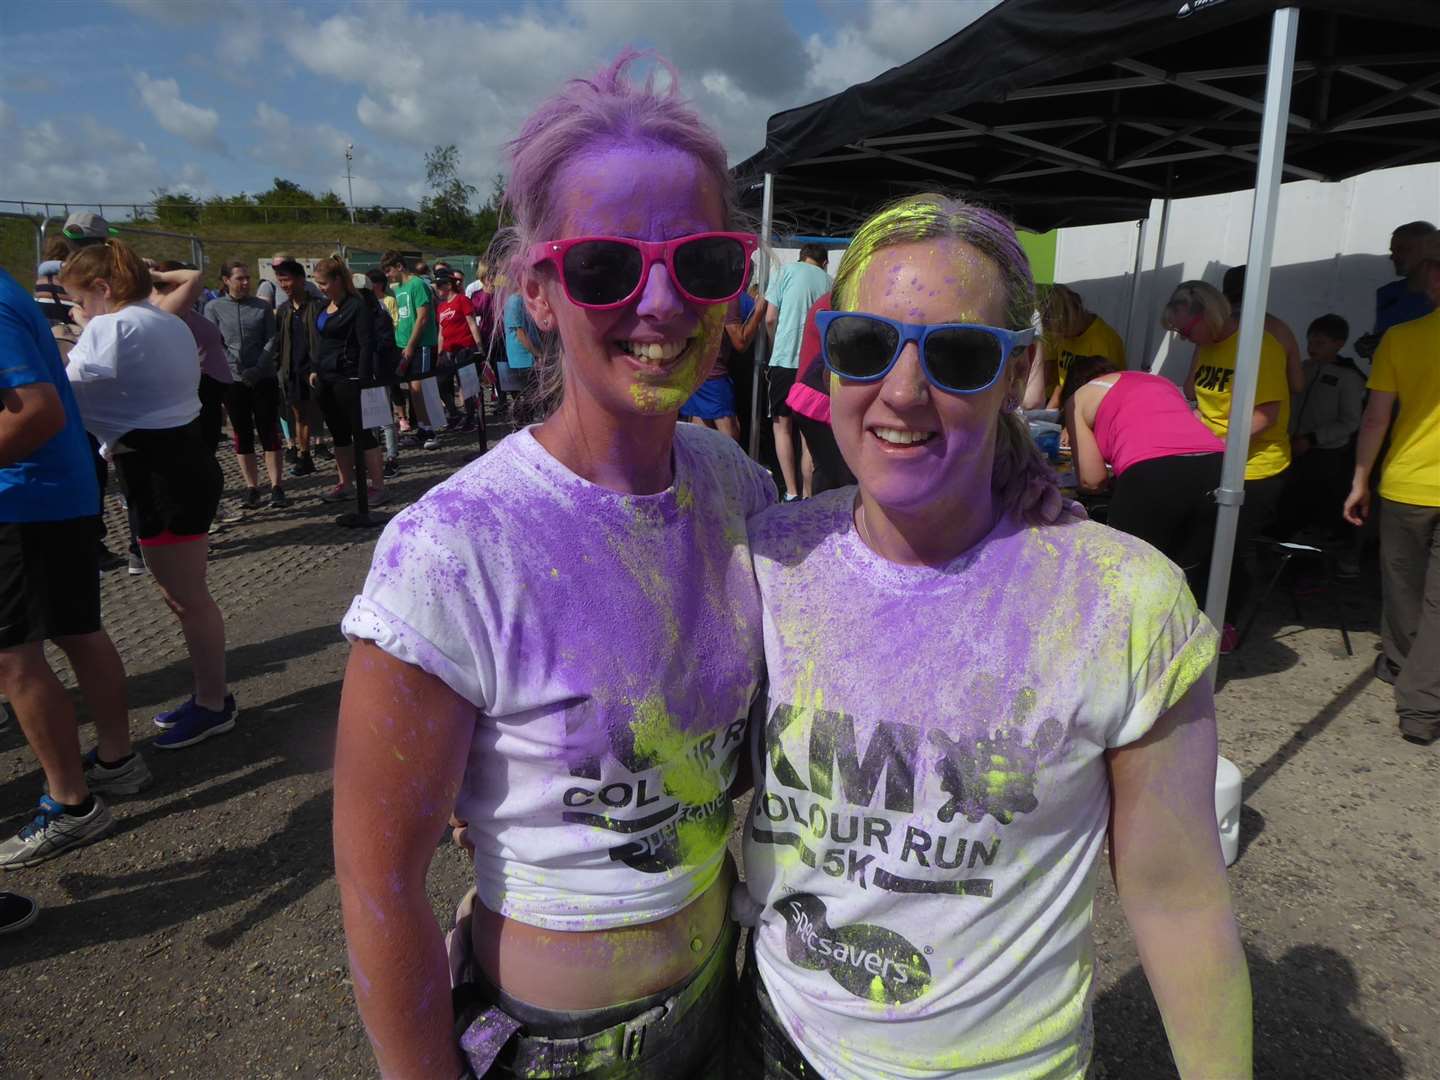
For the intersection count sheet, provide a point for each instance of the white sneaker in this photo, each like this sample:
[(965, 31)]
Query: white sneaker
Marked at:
[(52, 832)]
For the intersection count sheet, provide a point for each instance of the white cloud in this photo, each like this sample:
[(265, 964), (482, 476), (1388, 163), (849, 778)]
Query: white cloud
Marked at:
[(79, 159), (196, 125), (887, 34)]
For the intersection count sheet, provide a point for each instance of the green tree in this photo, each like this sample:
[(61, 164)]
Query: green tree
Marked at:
[(175, 207), (445, 212)]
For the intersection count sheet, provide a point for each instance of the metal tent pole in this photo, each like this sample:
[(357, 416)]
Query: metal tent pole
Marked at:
[(1142, 233), (1231, 492), (1159, 266), (762, 340)]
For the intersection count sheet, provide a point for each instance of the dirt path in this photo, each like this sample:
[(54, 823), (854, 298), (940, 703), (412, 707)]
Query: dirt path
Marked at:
[(203, 940)]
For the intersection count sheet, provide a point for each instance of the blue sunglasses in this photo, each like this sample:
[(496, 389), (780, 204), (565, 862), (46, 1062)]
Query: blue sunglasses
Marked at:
[(959, 358)]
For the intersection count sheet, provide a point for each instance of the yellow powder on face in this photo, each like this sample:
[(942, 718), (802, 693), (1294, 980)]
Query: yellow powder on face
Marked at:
[(673, 388)]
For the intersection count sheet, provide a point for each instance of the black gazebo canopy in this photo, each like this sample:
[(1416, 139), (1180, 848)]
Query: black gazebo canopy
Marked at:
[(1069, 113)]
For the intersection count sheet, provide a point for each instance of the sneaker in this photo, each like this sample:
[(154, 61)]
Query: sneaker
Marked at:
[(376, 496), (16, 912), (392, 467), (52, 831), (278, 499), (193, 723), (304, 467), (228, 514), (338, 493), (292, 455), (432, 441), (107, 558), (135, 565), (128, 778), (468, 424), (166, 720), (251, 499), (453, 421), (1385, 671), (411, 441), (323, 452)]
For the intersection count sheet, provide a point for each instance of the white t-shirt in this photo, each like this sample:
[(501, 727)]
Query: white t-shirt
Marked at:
[(933, 793), (135, 368), (611, 646)]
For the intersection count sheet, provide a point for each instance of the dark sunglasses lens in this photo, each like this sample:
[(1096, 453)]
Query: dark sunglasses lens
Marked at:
[(860, 348), (712, 268), (601, 271), (963, 359)]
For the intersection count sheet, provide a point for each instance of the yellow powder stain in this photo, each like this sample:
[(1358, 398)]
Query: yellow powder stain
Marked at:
[(398, 755), (684, 497), (675, 386), (658, 738), (554, 571)]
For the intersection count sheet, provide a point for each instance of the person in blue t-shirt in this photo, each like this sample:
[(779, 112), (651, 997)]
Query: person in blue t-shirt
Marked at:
[(789, 300), (50, 591), (1405, 298), (522, 349)]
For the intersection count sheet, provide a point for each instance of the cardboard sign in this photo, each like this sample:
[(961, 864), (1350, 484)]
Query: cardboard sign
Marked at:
[(434, 411), (469, 381), (375, 407)]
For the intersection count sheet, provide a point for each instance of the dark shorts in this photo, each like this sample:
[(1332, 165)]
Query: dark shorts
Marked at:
[(714, 399), (760, 1047), (171, 481), (254, 409), (779, 380), (49, 580)]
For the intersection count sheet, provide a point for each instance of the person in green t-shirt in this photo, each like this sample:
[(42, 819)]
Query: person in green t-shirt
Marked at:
[(417, 335)]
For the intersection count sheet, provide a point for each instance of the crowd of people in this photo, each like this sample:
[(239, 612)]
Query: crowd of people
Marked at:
[(612, 623)]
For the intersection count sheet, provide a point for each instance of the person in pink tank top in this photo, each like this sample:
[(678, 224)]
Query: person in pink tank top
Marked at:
[(1166, 463)]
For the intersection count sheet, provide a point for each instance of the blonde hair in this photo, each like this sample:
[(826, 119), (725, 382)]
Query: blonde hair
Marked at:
[(113, 262), (1197, 298), (1062, 311), (1021, 478), (334, 266)]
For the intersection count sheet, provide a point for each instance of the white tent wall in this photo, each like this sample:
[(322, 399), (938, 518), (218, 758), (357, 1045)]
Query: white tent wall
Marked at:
[(1331, 254)]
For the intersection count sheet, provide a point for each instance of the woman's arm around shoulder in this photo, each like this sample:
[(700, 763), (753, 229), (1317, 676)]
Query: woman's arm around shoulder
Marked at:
[(399, 760), (1170, 876)]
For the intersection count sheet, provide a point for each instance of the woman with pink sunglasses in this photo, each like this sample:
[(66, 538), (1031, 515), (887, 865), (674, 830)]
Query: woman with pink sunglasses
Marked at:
[(561, 644)]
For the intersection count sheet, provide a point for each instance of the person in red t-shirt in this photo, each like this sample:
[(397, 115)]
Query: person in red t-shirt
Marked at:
[(459, 337)]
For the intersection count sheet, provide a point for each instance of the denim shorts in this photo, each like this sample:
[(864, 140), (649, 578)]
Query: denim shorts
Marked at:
[(681, 1032)]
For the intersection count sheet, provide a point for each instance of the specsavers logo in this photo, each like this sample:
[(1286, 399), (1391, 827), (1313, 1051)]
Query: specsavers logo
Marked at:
[(868, 961)]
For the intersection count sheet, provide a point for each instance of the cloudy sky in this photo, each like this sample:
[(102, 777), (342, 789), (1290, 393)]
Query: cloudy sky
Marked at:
[(106, 100)]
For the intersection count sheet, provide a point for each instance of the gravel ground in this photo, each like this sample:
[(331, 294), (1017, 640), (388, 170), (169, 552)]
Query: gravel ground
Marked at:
[(203, 939)]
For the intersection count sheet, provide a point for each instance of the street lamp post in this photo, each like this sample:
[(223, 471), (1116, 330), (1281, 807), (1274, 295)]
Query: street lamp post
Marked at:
[(349, 187)]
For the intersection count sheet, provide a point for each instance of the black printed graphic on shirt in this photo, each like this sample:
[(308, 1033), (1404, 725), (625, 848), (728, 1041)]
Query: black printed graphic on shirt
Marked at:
[(869, 961), (625, 792)]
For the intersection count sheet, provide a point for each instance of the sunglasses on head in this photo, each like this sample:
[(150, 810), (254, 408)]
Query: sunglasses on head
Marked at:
[(605, 272), (959, 358)]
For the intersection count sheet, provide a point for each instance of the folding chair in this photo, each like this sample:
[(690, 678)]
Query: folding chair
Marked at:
[(1286, 550)]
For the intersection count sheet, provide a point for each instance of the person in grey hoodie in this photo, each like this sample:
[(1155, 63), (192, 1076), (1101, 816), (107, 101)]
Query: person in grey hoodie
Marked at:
[(1324, 420), (253, 400)]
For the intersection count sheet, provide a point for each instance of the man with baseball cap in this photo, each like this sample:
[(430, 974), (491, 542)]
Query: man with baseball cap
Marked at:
[(84, 228)]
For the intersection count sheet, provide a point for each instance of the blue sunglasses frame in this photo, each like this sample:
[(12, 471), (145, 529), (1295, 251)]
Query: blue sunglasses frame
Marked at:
[(1008, 340)]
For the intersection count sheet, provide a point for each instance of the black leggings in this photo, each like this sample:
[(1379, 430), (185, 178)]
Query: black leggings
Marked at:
[(830, 468), (254, 408), (339, 402), (1168, 503)]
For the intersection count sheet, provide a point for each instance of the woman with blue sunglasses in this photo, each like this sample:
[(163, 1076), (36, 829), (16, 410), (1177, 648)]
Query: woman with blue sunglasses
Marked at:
[(963, 704)]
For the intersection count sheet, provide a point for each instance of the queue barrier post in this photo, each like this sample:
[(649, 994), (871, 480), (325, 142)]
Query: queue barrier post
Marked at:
[(362, 517)]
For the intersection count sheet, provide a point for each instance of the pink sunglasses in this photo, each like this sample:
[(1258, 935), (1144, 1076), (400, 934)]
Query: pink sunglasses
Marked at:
[(605, 272)]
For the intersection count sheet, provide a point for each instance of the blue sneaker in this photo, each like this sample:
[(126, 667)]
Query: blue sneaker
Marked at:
[(193, 723), (166, 720)]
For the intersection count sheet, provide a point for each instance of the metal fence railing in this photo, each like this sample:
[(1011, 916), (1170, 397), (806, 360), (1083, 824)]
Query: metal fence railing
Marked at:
[(211, 213)]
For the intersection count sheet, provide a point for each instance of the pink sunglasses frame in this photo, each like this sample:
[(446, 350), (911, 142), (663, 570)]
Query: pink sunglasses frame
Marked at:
[(651, 252)]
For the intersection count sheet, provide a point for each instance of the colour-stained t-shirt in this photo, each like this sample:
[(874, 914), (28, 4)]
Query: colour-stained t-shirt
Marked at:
[(932, 795), (1407, 364), (1098, 339), (611, 646), (1214, 386), (799, 285), (410, 296)]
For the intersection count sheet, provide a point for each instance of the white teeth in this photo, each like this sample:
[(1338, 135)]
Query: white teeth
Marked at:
[(900, 437), (654, 351)]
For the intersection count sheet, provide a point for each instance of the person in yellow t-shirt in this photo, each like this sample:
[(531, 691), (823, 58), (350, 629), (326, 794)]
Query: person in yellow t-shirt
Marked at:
[(1201, 315), (1406, 373), (1071, 330)]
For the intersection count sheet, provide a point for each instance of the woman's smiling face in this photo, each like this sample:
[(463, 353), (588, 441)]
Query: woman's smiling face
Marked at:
[(649, 356), (907, 442)]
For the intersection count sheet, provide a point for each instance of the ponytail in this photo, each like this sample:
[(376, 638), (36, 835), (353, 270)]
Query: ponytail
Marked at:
[(113, 262), (1022, 481)]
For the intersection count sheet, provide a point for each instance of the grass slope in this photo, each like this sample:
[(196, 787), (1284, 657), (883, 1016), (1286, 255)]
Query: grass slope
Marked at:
[(225, 242)]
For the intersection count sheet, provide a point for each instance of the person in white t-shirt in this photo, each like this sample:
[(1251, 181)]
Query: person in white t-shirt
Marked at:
[(135, 372), (962, 703), (561, 642)]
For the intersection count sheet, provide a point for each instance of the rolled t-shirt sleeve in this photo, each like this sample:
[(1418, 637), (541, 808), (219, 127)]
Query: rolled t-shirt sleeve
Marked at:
[(1171, 647), (94, 355), (777, 288), (414, 609)]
